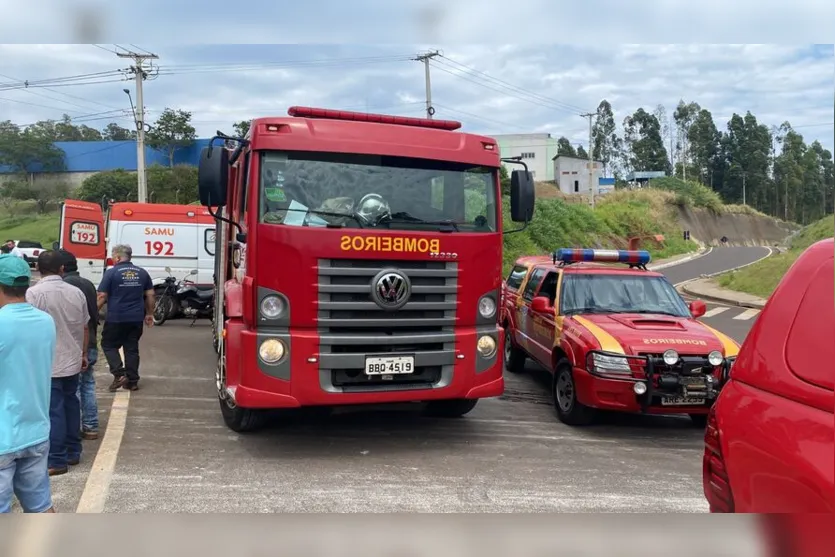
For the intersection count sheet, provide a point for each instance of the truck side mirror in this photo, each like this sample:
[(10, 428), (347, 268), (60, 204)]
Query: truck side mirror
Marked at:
[(213, 176), (522, 196)]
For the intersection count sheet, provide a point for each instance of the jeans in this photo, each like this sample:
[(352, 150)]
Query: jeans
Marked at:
[(24, 473), (125, 336), (65, 422), (87, 393)]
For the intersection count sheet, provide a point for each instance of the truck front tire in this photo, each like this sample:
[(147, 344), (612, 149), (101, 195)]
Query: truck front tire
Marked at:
[(514, 358), (450, 408), (570, 411), (241, 420)]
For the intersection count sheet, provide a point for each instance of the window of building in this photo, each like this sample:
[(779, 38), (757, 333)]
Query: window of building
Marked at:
[(528, 155)]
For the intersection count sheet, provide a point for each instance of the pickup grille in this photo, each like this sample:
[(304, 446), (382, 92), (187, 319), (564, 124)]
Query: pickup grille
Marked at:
[(689, 365), (351, 325)]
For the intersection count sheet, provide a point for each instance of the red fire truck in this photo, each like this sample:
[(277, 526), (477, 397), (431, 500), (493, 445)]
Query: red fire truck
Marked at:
[(358, 262)]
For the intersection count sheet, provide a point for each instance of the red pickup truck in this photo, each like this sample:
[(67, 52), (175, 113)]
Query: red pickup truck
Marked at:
[(769, 438)]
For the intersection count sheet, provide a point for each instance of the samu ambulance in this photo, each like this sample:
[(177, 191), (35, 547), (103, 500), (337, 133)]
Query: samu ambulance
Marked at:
[(181, 237)]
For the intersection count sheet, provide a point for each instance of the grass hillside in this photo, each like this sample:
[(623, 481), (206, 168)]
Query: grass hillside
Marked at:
[(762, 278), (564, 223), (25, 223)]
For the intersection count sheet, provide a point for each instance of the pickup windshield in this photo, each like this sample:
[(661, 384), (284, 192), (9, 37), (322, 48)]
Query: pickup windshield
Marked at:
[(372, 191), (599, 293)]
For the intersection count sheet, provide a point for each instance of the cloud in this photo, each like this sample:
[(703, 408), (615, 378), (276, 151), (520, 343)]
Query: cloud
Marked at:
[(492, 89)]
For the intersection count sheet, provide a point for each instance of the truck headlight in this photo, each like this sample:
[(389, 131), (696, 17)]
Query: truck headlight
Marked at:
[(272, 307), (271, 350), (486, 346), (487, 307), (610, 364), (715, 358)]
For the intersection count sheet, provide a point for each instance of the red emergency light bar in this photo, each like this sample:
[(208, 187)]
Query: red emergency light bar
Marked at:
[(631, 257), (328, 114)]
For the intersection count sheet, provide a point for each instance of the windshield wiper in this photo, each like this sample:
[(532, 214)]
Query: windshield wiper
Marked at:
[(406, 217), (589, 310), (650, 311)]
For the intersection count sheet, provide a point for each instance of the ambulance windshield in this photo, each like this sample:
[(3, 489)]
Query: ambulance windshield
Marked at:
[(620, 293), (360, 191)]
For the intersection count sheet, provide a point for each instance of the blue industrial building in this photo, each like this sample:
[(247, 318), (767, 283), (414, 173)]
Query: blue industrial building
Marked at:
[(97, 156)]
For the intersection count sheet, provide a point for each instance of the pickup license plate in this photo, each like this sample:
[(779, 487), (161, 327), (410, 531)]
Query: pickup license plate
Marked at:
[(682, 401), (389, 365)]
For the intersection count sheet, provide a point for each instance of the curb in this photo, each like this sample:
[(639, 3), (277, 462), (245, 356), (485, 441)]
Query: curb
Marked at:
[(693, 255), (759, 304)]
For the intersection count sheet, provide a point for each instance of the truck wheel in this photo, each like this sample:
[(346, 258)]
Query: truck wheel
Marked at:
[(699, 420), (514, 358), (570, 411), (239, 420), (450, 408)]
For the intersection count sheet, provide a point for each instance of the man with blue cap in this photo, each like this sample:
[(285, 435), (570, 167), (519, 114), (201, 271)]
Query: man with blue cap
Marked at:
[(27, 350)]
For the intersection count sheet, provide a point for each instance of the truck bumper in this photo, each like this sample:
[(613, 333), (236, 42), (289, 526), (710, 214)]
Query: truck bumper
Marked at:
[(618, 396), (301, 379)]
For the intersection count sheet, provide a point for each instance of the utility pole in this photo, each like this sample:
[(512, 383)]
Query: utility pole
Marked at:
[(430, 110), (140, 74), (592, 187)]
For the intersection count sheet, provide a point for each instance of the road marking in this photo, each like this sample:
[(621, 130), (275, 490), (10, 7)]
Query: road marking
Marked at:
[(97, 488), (716, 311), (747, 314)]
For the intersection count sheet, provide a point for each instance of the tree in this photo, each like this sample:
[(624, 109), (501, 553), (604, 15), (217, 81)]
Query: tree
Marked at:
[(47, 192), (115, 132), (116, 185), (660, 114), (241, 128), (565, 148), (581, 152), (172, 185), (63, 130), (683, 117), (504, 177), (606, 145), (171, 131), (642, 133), (25, 152), (703, 139)]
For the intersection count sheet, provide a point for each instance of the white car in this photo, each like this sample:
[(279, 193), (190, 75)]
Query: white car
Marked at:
[(30, 250)]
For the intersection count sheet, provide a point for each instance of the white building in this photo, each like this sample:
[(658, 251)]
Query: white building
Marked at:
[(536, 150), (572, 174)]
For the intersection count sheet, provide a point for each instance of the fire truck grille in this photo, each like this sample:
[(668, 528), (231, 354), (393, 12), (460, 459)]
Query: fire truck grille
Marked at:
[(689, 365), (352, 326)]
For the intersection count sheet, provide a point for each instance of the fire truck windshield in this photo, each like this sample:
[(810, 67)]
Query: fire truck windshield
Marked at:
[(358, 191), (617, 293)]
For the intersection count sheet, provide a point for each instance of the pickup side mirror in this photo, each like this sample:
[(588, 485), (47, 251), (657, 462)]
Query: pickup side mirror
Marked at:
[(213, 176), (697, 308), (522, 196), (541, 304), (193, 272), (55, 245)]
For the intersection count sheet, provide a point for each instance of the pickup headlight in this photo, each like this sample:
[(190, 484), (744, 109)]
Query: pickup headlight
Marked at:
[(610, 364), (487, 307), (715, 358)]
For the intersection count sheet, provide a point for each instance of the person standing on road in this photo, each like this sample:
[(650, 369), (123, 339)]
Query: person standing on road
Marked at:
[(87, 380), (129, 294), (68, 308), (27, 350), (13, 249)]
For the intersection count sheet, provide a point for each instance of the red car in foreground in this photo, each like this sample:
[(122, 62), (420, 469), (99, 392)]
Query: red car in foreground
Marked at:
[(769, 438)]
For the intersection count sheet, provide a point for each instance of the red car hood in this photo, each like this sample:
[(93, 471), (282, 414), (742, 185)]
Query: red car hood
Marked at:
[(655, 333)]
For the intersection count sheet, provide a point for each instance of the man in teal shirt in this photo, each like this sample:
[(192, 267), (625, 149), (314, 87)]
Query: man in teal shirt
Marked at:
[(27, 349)]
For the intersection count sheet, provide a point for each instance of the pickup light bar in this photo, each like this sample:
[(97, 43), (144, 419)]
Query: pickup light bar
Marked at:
[(328, 114), (632, 257)]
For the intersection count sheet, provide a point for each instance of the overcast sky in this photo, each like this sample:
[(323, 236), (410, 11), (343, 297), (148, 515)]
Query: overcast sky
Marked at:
[(491, 89)]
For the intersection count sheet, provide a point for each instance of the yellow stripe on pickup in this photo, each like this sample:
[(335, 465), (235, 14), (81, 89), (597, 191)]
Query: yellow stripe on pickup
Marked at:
[(608, 343), (731, 347)]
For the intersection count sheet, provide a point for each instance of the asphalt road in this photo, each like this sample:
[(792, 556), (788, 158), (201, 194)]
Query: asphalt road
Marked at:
[(167, 450)]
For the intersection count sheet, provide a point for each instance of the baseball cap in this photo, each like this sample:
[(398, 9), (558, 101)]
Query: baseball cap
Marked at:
[(14, 271)]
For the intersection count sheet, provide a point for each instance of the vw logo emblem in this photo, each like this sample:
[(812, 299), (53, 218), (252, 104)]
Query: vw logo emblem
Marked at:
[(391, 289)]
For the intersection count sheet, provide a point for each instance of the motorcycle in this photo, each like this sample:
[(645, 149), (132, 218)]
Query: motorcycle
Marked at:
[(182, 296)]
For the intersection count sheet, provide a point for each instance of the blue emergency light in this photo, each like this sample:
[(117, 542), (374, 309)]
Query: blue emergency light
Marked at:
[(637, 258)]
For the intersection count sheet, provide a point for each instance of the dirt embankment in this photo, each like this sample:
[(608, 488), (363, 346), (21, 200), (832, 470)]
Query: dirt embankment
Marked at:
[(741, 229)]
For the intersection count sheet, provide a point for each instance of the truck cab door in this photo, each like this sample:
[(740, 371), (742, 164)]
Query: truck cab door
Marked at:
[(543, 321), (524, 322), (81, 232)]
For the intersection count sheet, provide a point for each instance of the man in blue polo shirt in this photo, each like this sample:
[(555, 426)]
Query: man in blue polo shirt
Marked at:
[(129, 294), (27, 350)]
